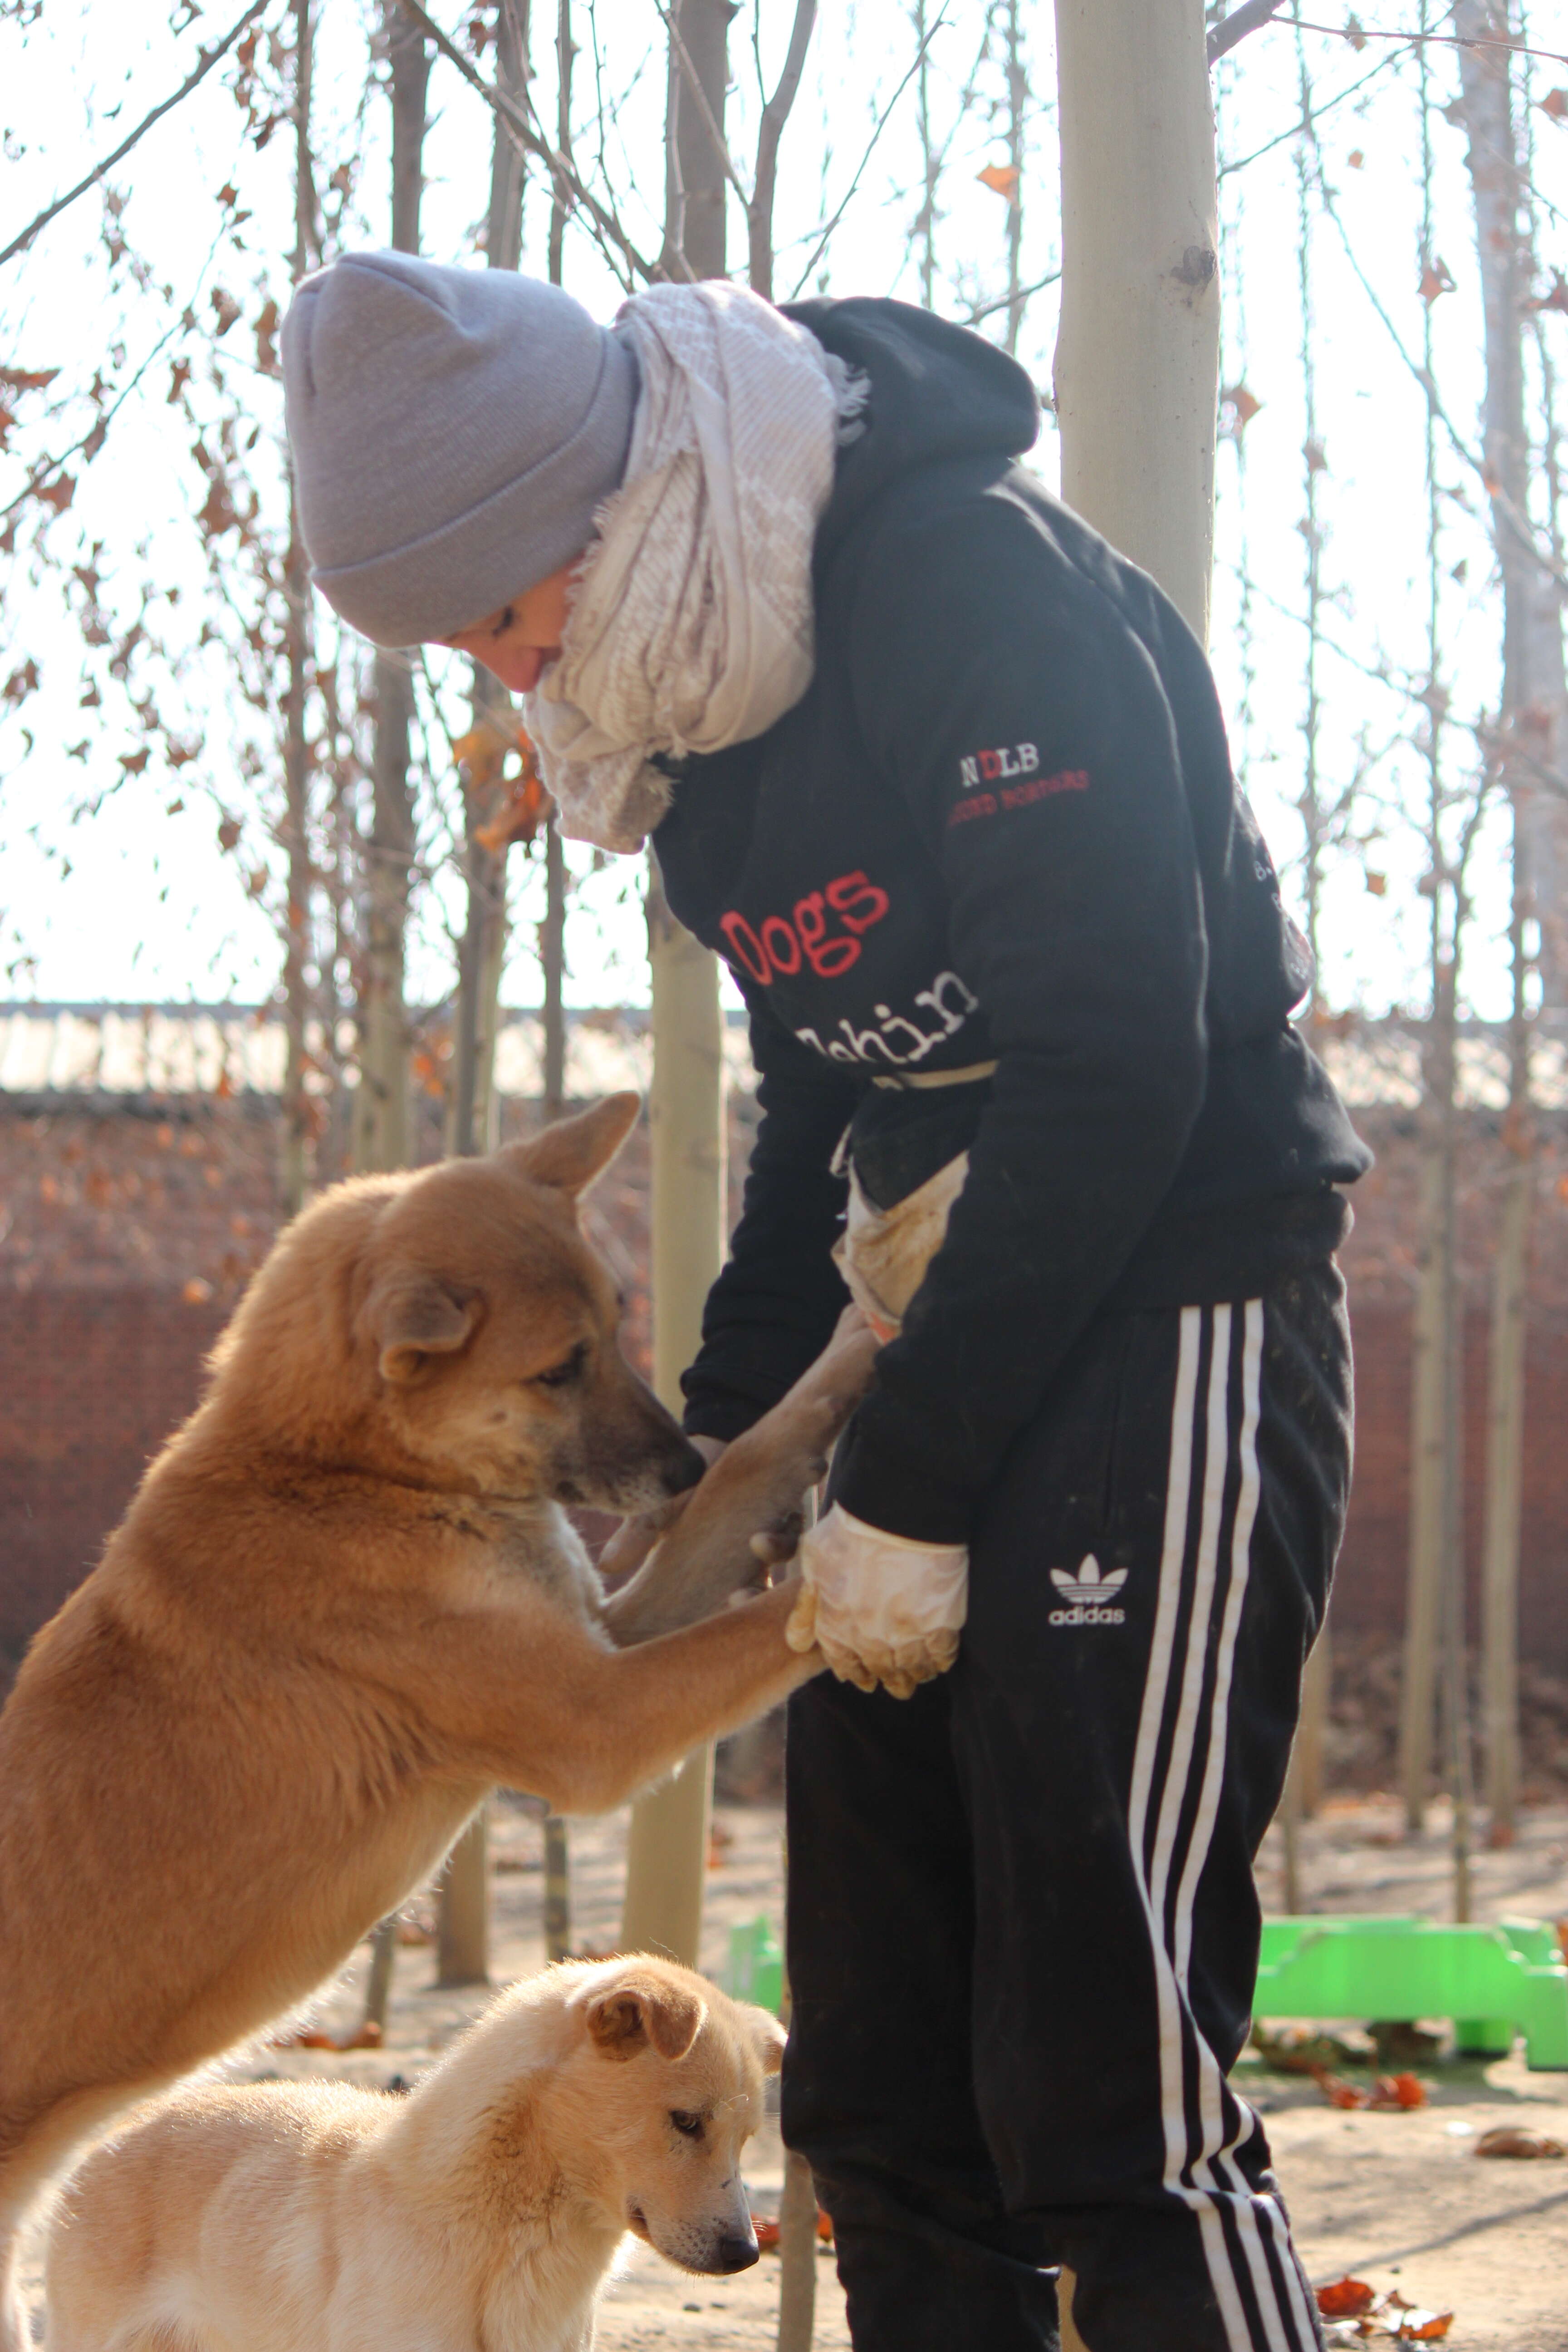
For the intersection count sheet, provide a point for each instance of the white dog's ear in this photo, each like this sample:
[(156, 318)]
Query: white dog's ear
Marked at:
[(642, 2011), (411, 1316), (768, 2035), (571, 1154)]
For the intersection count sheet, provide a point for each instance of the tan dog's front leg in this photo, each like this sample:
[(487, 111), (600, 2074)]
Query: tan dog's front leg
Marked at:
[(538, 1704), (753, 1487)]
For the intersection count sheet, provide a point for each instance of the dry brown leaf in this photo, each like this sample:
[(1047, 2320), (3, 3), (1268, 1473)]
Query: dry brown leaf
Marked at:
[(1397, 2091), (1515, 2140), (518, 818), (1002, 178), (1243, 405), (267, 338), (1345, 2298)]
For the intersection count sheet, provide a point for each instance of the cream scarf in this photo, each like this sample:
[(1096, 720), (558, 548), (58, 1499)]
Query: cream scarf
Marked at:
[(691, 626)]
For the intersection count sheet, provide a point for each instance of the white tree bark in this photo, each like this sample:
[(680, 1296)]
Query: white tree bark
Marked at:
[(666, 1856), (1533, 749), (463, 1927), (1137, 362)]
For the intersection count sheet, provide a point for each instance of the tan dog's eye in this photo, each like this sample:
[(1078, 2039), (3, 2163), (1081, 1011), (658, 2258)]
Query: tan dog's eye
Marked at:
[(568, 1368), (690, 2126)]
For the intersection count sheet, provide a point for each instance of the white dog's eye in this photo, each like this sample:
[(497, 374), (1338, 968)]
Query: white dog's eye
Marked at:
[(690, 2126)]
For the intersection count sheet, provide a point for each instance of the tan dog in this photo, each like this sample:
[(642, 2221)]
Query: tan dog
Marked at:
[(483, 2210), (345, 1603)]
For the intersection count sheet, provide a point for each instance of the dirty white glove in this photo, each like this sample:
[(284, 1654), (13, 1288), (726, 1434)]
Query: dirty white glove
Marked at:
[(879, 1608)]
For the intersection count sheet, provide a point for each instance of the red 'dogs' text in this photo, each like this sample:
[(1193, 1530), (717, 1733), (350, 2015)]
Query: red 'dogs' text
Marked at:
[(823, 931)]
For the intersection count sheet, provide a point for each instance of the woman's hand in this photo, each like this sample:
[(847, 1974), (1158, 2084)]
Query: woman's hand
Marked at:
[(881, 1608)]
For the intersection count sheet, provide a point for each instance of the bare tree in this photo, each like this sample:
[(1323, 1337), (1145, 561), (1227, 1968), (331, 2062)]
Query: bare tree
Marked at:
[(381, 1138), (298, 1109), (553, 930), (1531, 754), (463, 1926)]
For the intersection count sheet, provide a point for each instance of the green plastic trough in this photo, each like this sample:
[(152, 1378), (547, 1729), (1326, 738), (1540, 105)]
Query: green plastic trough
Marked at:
[(756, 1964), (1493, 1982)]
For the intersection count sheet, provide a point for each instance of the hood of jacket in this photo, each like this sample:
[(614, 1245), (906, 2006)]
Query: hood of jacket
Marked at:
[(937, 391)]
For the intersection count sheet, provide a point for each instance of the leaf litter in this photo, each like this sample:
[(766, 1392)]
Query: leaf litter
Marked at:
[(1355, 2311)]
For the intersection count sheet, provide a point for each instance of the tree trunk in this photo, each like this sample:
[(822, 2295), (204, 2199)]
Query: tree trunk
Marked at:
[(1532, 748), (553, 971), (1505, 1482), (297, 1103), (1017, 102), (1137, 362), (1418, 1682), (668, 1853), (1455, 1681), (1535, 732), (381, 1130), (464, 1926)]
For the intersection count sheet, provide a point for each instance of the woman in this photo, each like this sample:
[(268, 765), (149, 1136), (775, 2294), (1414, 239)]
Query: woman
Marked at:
[(945, 781)]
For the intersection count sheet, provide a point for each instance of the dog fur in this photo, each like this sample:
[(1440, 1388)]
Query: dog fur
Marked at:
[(346, 1603), (485, 2209)]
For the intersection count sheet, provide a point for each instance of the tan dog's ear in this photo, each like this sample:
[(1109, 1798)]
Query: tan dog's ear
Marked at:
[(571, 1154), (411, 1316), (643, 2012), (768, 2035)]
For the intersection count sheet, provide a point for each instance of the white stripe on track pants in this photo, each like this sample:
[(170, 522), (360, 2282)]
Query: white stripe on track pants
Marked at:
[(1023, 1930)]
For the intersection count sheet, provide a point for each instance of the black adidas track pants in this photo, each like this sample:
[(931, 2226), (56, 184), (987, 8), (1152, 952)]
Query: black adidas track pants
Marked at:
[(1023, 1930)]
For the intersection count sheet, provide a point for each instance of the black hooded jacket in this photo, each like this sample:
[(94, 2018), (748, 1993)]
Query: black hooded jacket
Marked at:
[(1000, 824)]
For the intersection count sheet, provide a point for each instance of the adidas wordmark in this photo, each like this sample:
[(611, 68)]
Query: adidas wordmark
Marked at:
[(1089, 1591)]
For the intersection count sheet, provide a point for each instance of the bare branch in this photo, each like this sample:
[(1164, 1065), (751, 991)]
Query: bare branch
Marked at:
[(209, 57), (776, 114), (694, 84), (534, 142), (1003, 300), (1249, 18), (883, 121)]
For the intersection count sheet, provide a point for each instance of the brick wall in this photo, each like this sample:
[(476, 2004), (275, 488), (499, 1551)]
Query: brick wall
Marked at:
[(1369, 1596), (92, 1382), (128, 1232)]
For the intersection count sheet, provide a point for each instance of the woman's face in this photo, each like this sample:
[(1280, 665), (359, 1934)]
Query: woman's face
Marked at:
[(520, 640)]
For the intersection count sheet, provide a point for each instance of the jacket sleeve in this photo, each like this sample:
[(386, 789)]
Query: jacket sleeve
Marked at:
[(1001, 692), (773, 1309)]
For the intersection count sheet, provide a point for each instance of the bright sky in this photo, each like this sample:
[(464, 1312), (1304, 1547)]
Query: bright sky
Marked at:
[(135, 899)]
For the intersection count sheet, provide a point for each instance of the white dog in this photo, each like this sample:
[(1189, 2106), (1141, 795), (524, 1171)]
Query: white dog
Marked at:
[(483, 2209)]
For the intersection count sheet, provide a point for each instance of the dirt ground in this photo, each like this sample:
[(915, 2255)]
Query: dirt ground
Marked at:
[(1400, 2199)]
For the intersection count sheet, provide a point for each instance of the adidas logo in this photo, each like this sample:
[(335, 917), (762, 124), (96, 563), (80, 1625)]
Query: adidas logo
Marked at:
[(1089, 1592)]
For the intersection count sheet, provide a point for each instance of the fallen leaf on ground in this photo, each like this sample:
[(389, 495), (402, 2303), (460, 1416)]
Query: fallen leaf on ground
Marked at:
[(1408, 2323), (1337, 2092), (1345, 2298), (1397, 2091), (768, 2232), (1399, 2042), (368, 2037), (1513, 2139), (1294, 2050)]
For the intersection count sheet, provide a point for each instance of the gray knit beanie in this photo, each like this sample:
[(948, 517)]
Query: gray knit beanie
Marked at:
[(454, 432)]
